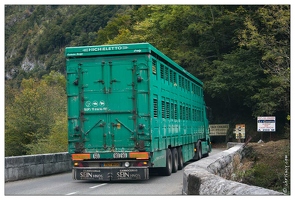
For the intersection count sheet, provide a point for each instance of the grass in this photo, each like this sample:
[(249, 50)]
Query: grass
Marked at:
[(266, 165)]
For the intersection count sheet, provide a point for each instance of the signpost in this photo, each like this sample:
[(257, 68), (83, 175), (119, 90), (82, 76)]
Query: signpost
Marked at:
[(218, 129), (240, 131), (266, 124)]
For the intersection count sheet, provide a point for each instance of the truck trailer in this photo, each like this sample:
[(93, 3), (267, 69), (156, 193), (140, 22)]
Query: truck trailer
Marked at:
[(131, 109)]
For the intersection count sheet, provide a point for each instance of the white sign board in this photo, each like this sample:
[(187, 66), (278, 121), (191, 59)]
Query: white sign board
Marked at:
[(266, 124)]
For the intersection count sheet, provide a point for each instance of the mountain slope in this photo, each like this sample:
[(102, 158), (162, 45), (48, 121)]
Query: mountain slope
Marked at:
[(36, 35)]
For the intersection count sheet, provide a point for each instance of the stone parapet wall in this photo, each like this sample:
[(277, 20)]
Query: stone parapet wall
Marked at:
[(208, 176), (30, 166)]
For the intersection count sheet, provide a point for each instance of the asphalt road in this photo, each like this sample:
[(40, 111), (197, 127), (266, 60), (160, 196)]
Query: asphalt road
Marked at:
[(64, 185)]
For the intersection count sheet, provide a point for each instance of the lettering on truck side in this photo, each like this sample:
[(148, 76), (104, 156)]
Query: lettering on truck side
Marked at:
[(105, 48), (88, 175), (120, 155), (123, 175), (94, 109)]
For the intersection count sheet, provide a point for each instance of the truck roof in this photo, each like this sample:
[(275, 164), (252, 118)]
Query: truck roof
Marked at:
[(121, 49)]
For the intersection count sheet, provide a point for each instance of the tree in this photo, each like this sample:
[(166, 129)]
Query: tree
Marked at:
[(55, 79), (32, 114), (113, 28), (268, 30), (56, 141)]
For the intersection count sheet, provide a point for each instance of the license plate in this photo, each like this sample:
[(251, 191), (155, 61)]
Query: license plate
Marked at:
[(111, 164)]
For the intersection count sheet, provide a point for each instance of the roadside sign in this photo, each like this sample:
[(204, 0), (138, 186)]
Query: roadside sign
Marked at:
[(218, 129), (240, 131), (266, 124)]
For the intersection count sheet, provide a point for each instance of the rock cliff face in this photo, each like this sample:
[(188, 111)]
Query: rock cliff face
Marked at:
[(36, 35)]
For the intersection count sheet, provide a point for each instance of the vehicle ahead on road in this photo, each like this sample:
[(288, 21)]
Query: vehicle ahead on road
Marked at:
[(131, 109)]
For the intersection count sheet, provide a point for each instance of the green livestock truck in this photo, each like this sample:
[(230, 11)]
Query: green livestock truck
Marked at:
[(131, 109)]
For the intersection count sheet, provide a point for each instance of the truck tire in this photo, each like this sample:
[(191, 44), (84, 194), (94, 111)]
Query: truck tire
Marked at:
[(168, 169), (180, 158), (174, 160)]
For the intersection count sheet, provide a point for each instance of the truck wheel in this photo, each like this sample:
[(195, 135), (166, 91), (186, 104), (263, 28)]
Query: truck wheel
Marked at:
[(174, 160), (180, 158), (168, 169)]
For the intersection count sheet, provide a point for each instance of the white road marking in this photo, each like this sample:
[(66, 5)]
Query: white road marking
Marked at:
[(71, 193), (98, 185)]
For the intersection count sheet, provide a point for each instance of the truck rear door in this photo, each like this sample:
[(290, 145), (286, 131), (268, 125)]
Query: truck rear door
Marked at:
[(107, 107)]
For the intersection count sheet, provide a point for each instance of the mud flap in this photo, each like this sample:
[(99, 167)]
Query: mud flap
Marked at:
[(111, 174)]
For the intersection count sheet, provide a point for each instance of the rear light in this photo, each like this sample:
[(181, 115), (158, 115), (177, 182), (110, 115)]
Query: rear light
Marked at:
[(139, 155), (139, 164), (80, 164)]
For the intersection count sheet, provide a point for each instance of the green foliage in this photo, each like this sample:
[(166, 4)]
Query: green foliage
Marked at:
[(54, 142), (31, 113), (266, 176), (266, 165), (241, 53), (268, 29), (55, 79), (114, 27)]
